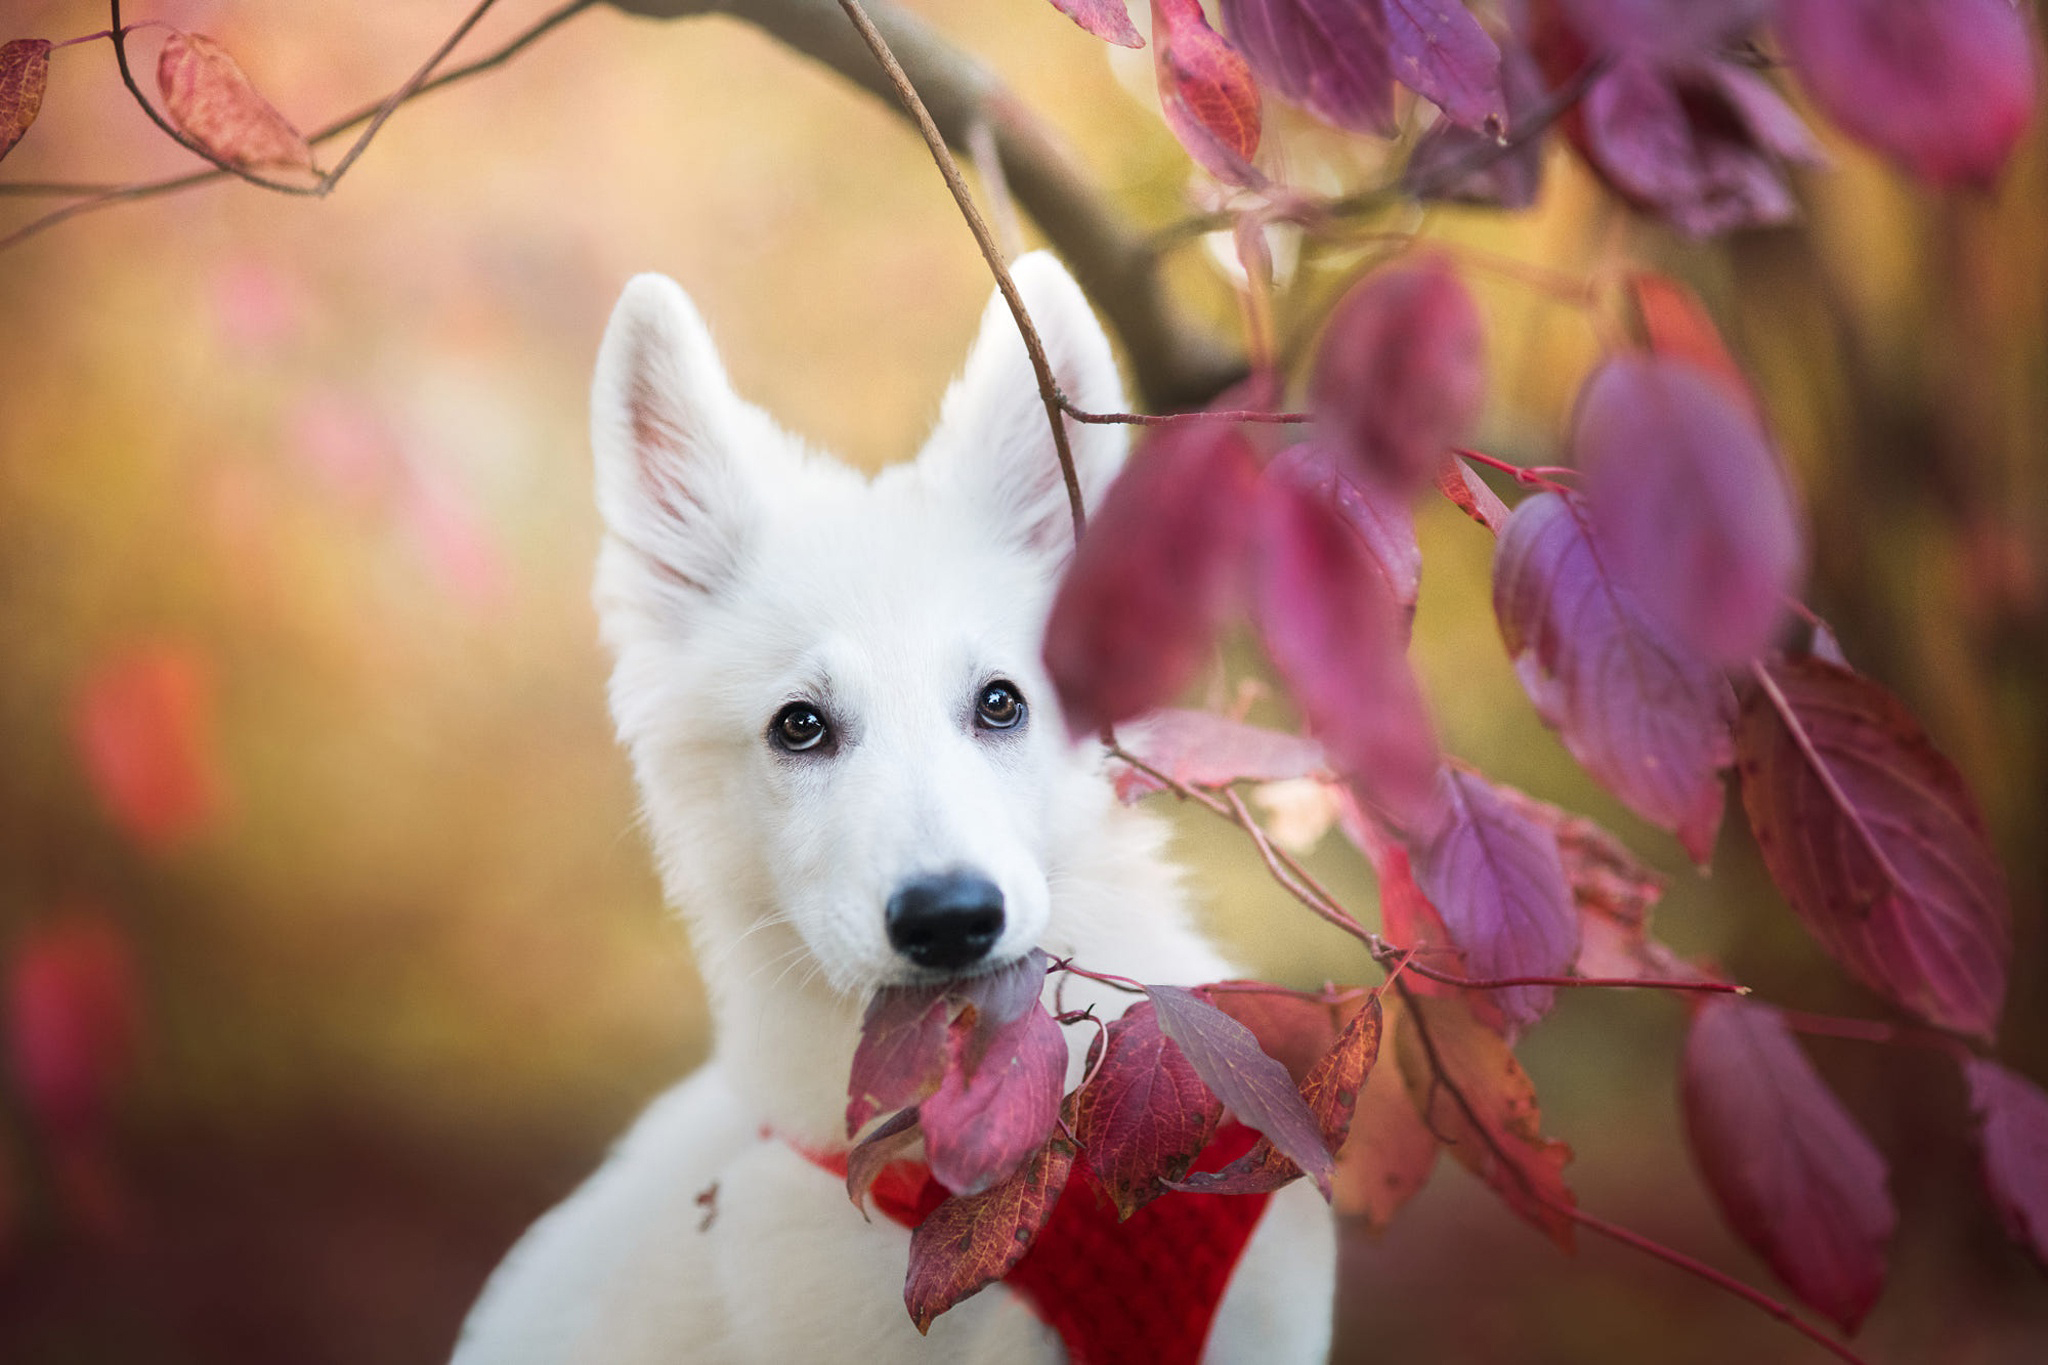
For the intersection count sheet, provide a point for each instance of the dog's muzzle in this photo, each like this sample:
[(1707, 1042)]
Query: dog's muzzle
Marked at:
[(945, 921)]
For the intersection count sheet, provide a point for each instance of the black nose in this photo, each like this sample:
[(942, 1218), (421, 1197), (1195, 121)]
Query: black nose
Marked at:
[(947, 921)]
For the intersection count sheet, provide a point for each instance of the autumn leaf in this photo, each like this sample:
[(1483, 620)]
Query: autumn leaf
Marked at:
[(214, 103), (1470, 495), (1792, 1173), (1330, 57), (988, 1115), (1206, 92), (1676, 324), (1390, 1153), (890, 1142), (24, 74), (1292, 1030), (971, 1241), (1874, 838), (1145, 1116), (1108, 20), (142, 719), (1203, 749), (1496, 1133), (72, 1019), (2011, 1113), (901, 1055), (1383, 521)]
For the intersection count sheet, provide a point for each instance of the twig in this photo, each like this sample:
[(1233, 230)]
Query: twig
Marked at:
[(1122, 983), (1048, 386), (404, 93), (1174, 419), (1524, 132)]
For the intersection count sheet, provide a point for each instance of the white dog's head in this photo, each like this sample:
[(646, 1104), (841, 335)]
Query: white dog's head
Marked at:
[(831, 686)]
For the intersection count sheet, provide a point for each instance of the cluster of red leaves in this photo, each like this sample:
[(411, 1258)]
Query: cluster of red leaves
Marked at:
[(1668, 106), (205, 93)]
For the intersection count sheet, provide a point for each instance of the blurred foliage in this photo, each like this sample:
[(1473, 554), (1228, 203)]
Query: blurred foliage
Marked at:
[(309, 480)]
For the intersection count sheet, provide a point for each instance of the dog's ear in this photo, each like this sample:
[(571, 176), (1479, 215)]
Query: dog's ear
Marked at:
[(666, 428), (993, 442)]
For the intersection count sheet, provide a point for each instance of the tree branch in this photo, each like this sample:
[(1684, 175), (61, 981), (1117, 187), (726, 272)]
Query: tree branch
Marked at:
[(1175, 363)]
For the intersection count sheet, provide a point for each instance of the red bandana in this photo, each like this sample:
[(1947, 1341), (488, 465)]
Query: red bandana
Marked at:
[(1139, 1292)]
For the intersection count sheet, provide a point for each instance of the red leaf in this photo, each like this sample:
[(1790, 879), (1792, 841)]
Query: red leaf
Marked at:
[(971, 1241), (1251, 1085), (2012, 1145), (999, 998), (1203, 749), (1291, 1030), (1401, 373), (1383, 521), (1330, 57), (1206, 92), (890, 1142), (72, 1021), (1441, 53), (1691, 509), (1495, 878), (1153, 577), (1106, 19), (1334, 633), (1457, 481), (1943, 87), (985, 1119), (1390, 1153), (1640, 711), (1875, 840), (1331, 1092), (1676, 325), (143, 722), (24, 73), (1146, 1115), (215, 105), (1794, 1176), (1499, 1138), (901, 1055)]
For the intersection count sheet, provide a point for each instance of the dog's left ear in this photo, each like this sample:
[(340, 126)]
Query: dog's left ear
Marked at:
[(993, 443)]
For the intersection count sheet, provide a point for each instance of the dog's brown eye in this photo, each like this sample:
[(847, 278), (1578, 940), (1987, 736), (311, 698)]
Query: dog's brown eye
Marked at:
[(798, 727), (999, 707)]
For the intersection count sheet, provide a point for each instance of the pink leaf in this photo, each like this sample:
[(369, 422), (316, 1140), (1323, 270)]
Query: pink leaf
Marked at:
[(1383, 521), (1202, 749), (1206, 92), (1641, 712), (1334, 633), (901, 1055), (1793, 1175), (1153, 577), (1146, 1115), (24, 74), (1468, 165), (1401, 373), (1689, 505), (208, 97), (1495, 877), (1441, 53), (987, 1117), (1943, 87), (1470, 495), (72, 1020), (1106, 19), (969, 1242), (143, 721), (1874, 838), (2012, 1147), (1292, 1031), (1330, 57), (1251, 1085)]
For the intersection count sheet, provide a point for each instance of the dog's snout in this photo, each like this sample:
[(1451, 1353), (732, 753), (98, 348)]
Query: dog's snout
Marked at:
[(946, 921)]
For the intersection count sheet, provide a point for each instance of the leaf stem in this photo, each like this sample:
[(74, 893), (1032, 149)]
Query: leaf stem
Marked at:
[(1528, 478)]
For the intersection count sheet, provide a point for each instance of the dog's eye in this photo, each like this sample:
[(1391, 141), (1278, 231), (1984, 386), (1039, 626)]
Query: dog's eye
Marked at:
[(999, 707), (797, 727)]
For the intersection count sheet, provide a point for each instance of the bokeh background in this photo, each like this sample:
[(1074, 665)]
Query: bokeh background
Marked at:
[(332, 953)]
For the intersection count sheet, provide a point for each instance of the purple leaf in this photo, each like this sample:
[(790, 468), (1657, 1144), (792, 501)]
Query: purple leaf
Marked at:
[(901, 1054), (1153, 577), (1440, 52), (1401, 374), (1642, 713), (1943, 87), (2012, 1147), (1000, 997), (1467, 166), (1203, 749), (984, 1120), (1106, 19), (1330, 57), (1384, 523), (1335, 635), (891, 1141), (1663, 28), (1793, 1175), (1146, 1115), (1495, 877), (1875, 840), (1689, 504), (1251, 1085)]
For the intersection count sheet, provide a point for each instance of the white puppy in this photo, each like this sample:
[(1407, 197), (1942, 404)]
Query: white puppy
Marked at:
[(855, 773)]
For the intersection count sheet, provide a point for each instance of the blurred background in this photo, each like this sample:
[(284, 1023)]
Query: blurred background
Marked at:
[(331, 952)]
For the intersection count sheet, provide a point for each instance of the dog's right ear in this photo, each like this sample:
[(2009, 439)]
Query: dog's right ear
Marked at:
[(666, 428)]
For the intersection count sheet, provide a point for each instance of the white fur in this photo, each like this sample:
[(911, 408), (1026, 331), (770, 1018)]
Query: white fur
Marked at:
[(740, 572)]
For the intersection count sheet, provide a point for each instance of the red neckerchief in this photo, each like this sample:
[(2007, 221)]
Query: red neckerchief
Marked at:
[(1139, 1292)]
